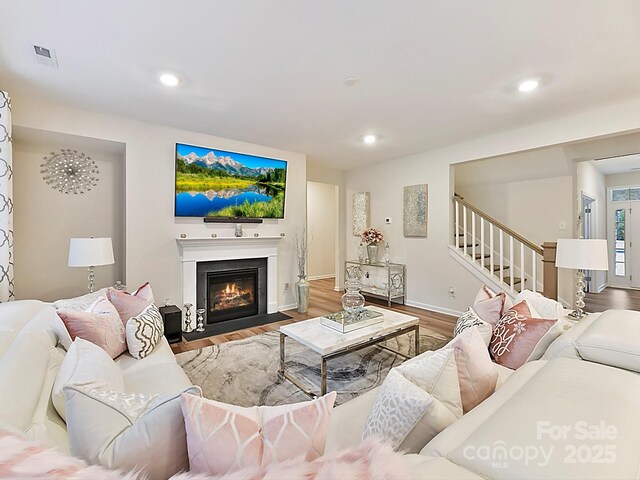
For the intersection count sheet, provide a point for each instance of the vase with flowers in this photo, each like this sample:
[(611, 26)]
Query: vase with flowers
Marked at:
[(372, 237), (302, 285)]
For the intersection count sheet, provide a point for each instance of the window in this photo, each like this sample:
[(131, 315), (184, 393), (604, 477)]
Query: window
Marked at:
[(625, 194), (620, 244)]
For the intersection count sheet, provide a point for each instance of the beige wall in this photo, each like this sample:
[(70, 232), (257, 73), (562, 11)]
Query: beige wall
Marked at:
[(152, 253), (322, 218), (623, 179), (45, 220)]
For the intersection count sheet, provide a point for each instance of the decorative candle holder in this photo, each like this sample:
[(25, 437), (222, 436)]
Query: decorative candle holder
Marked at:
[(238, 230), (187, 318), (200, 319)]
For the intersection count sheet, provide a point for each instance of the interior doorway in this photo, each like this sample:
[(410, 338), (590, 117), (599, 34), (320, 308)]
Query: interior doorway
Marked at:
[(588, 231), (323, 232)]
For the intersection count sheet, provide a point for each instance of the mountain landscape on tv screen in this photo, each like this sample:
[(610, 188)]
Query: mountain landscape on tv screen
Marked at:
[(225, 184)]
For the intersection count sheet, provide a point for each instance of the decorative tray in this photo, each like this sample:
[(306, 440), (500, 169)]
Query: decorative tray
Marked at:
[(343, 322)]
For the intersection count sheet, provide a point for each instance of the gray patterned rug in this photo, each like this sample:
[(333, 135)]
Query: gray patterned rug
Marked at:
[(244, 372)]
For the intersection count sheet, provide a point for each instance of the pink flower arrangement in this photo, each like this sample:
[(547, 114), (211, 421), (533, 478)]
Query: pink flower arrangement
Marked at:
[(371, 236)]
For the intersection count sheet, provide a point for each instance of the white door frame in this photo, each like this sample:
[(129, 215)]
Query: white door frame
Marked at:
[(631, 245)]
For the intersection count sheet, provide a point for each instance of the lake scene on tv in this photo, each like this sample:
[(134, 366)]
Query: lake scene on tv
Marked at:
[(217, 183)]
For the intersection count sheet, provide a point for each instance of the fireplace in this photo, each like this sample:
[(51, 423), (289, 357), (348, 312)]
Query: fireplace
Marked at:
[(232, 294), (232, 291)]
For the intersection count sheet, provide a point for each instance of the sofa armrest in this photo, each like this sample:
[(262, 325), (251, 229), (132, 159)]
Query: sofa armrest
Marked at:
[(348, 421)]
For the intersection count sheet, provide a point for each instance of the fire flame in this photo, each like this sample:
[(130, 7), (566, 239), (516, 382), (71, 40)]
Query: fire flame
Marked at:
[(232, 289)]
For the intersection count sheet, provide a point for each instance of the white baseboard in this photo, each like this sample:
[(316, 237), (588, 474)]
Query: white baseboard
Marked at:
[(600, 288), (291, 306), (321, 277), (337, 289), (434, 308)]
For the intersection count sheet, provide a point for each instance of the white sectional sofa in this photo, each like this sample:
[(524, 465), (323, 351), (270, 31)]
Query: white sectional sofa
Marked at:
[(33, 342), (558, 417)]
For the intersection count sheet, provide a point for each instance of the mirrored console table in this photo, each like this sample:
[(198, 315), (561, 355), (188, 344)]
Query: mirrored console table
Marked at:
[(380, 280)]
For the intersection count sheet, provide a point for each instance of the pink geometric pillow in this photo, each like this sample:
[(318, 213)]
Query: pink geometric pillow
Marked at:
[(222, 438), (129, 305), (517, 334), (489, 305), (477, 374), (99, 324)]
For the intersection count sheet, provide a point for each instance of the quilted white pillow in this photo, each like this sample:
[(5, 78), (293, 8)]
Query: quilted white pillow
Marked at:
[(144, 331), (546, 307), (81, 303), (125, 431), (85, 365)]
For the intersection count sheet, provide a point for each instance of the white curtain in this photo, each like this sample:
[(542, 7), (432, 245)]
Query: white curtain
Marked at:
[(6, 200)]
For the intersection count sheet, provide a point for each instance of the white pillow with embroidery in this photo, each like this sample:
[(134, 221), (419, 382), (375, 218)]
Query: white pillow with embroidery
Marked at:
[(471, 319), (144, 331)]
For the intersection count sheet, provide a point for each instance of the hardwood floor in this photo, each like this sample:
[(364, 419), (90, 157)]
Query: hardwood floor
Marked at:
[(323, 300), (611, 297)]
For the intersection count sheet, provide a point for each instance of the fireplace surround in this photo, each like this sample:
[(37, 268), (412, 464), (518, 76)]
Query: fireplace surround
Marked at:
[(194, 251)]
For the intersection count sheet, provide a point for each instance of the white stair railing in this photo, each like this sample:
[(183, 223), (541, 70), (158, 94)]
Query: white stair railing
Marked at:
[(514, 268)]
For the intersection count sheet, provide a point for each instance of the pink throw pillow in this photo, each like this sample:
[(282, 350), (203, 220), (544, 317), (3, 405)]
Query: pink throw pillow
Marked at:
[(99, 324), (131, 304), (477, 374), (490, 305), (222, 438), (516, 335)]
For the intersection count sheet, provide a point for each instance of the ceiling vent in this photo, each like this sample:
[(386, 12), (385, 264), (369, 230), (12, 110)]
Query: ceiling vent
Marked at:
[(46, 56)]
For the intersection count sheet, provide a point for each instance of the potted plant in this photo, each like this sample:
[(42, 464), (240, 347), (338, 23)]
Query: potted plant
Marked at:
[(372, 237)]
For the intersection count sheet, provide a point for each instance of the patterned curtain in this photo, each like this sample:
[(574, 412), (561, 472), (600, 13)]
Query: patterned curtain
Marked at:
[(6, 200)]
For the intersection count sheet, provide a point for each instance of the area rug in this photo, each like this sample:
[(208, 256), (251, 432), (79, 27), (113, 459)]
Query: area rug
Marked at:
[(245, 372)]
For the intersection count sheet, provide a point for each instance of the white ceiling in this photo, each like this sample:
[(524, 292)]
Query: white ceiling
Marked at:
[(628, 163), (432, 72)]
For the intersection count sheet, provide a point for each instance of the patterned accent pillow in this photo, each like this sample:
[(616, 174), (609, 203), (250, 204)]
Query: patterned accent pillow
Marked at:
[(144, 332), (130, 304), (224, 438), (405, 416), (517, 335), (471, 319), (99, 324), (132, 405)]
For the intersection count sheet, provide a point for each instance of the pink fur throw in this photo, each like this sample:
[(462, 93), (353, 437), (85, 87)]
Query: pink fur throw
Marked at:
[(371, 460), (21, 458)]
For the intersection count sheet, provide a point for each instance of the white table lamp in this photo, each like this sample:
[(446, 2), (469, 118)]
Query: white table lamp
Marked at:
[(581, 255), (90, 252)]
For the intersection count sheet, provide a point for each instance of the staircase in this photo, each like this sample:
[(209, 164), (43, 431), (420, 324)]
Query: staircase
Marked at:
[(499, 256)]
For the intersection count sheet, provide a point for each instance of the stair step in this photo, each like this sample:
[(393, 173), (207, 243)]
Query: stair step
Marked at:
[(496, 268), (479, 256), (516, 280), (469, 245)]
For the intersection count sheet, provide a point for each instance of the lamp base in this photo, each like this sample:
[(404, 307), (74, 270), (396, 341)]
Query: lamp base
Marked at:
[(91, 277), (577, 314)]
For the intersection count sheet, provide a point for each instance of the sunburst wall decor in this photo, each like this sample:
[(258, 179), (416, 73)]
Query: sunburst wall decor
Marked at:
[(70, 172)]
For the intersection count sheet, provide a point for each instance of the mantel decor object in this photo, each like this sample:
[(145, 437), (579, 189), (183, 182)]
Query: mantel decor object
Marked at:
[(91, 253), (69, 172), (188, 328)]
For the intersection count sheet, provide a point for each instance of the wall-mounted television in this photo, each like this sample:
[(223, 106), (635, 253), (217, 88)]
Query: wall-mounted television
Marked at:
[(217, 183)]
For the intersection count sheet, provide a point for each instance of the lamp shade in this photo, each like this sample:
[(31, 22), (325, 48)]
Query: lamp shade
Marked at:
[(90, 252), (585, 254)]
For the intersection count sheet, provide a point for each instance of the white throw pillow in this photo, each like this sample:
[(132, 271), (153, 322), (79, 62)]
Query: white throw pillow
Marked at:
[(546, 307), (81, 303), (124, 431), (405, 416), (471, 319), (437, 374), (144, 332), (85, 365)]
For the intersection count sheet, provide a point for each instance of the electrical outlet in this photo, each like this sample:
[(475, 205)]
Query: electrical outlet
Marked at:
[(387, 220), (286, 286), (562, 225), (452, 292)]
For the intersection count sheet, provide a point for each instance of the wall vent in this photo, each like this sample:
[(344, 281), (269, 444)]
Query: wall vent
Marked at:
[(46, 56)]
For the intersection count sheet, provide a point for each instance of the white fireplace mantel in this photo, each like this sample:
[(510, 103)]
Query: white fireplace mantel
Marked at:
[(194, 250)]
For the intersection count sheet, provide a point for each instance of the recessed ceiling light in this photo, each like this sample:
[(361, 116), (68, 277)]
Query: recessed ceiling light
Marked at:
[(369, 139), (351, 81), (528, 85), (169, 79)]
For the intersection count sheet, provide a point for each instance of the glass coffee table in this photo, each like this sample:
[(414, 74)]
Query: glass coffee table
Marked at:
[(330, 343)]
